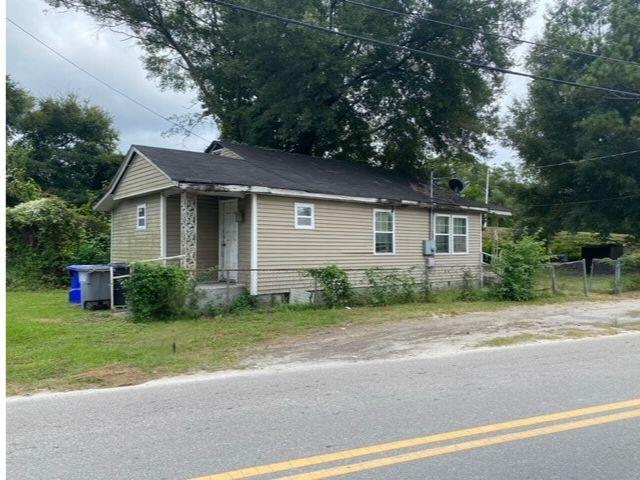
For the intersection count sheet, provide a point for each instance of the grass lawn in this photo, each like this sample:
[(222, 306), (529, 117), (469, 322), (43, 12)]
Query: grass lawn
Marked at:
[(53, 345)]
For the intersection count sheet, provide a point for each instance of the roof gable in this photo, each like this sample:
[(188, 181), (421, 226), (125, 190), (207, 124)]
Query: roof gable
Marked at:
[(140, 176)]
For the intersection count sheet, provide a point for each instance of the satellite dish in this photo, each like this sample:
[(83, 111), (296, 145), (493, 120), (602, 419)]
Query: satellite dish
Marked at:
[(456, 185)]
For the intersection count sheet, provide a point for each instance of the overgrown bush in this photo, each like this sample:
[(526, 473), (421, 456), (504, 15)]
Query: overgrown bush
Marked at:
[(41, 237), (46, 235), (334, 283), (630, 266), (243, 303), (468, 291), (156, 292), (516, 267), (391, 287)]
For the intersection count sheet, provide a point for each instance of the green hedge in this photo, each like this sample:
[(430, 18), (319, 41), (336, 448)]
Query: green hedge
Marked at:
[(516, 267), (46, 235), (156, 292)]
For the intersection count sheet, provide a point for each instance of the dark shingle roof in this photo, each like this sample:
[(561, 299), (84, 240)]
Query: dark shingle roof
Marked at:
[(276, 169)]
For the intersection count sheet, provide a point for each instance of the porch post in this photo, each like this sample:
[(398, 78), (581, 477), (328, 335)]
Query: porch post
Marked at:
[(188, 229), (253, 277)]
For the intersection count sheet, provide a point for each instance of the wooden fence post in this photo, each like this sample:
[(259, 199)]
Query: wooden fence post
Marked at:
[(554, 280), (618, 277), (585, 278)]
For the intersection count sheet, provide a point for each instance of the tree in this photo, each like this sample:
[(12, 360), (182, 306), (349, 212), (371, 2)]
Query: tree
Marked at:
[(505, 184), (19, 103), (64, 145), (20, 187), (559, 124), (276, 85)]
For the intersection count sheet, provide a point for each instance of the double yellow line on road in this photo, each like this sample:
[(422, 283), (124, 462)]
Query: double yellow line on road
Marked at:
[(440, 437)]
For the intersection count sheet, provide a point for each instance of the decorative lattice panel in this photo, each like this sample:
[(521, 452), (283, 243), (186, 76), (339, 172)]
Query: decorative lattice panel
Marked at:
[(188, 229)]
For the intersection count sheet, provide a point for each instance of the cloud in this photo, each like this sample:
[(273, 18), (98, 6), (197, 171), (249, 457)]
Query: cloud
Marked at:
[(108, 56)]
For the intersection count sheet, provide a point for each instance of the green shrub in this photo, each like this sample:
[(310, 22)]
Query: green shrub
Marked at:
[(516, 268), (41, 237), (244, 303), (468, 291), (393, 287), (46, 235), (630, 270), (156, 292), (334, 283)]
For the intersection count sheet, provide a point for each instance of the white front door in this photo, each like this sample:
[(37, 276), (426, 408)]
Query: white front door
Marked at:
[(229, 239)]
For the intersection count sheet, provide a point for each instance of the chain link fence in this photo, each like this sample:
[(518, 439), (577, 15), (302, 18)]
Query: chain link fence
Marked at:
[(579, 277), (601, 276)]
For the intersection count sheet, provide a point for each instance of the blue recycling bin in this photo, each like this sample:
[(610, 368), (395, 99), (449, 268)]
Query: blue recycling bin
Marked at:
[(75, 295), (90, 285)]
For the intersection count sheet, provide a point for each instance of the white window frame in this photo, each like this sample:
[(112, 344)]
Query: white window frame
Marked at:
[(451, 235), (436, 234), (454, 234), (393, 231), (139, 217), (312, 206)]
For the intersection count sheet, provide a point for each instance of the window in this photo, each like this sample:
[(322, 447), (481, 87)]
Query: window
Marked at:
[(383, 232), (305, 215), (460, 234), (442, 234), (141, 216), (451, 233)]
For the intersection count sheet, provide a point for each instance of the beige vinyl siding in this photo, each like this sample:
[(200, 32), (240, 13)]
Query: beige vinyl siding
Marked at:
[(127, 242), (207, 248), (139, 177), (343, 235), (244, 241), (173, 225)]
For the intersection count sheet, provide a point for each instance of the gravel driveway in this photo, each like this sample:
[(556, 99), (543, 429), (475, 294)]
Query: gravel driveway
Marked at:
[(442, 335)]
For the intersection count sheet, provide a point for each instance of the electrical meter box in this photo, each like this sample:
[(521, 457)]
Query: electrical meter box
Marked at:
[(428, 247)]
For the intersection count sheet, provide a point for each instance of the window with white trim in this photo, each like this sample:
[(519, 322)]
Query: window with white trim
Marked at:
[(442, 230), (141, 216), (460, 234), (383, 232), (305, 215), (451, 234)]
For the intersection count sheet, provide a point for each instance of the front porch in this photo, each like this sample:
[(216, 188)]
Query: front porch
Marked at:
[(212, 234)]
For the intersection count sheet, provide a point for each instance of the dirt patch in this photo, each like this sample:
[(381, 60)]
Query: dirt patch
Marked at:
[(444, 334), (114, 375), (516, 339)]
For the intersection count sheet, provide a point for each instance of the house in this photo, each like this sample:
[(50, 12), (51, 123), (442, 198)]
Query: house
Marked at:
[(258, 217)]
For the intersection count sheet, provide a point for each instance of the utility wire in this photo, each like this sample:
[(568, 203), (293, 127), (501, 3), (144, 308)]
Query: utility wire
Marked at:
[(109, 86), (585, 201), (488, 33), (588, 159), (233, 6)]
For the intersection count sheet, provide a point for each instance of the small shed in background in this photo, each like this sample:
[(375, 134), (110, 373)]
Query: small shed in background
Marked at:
[(605, 250)]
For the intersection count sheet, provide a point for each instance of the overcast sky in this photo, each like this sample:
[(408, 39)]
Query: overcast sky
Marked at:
[(117, 61)]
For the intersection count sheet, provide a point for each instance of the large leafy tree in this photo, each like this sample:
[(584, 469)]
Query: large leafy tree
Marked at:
[(19, 102), (277, 85), (59, 146), (558, 124)]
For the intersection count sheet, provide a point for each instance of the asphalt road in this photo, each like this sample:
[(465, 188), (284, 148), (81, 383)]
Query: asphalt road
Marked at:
[(198, 427)]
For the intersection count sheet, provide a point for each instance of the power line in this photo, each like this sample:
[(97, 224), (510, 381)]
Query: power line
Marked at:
[(98, 79), (588, 159), (585, 201), (383, 43), (488, 33)]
